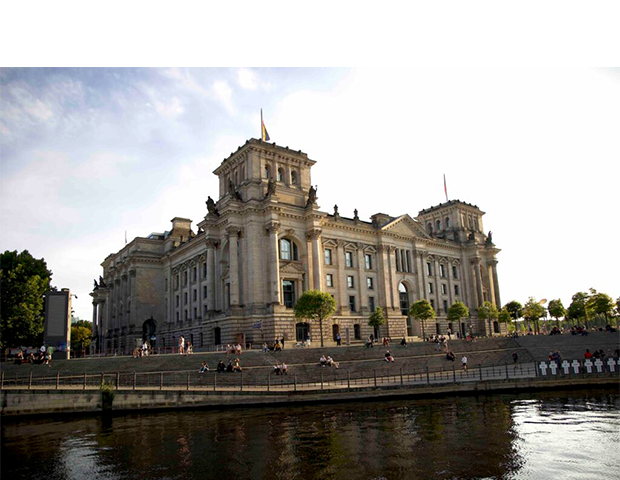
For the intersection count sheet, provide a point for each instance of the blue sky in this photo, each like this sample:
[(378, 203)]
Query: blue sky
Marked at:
[(89, 153)]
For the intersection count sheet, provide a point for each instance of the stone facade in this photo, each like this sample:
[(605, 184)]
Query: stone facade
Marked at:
[(265, 241)]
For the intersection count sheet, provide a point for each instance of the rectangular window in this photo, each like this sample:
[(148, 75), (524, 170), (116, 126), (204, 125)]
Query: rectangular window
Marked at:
[(186, 314), (397, 256), (444, 289), (371, 304), (177, 301), (430, 287), (432, 303), (177, 316), (195, 294), (455, 272), (195, 312), (429, 269), (352, 303), (288, 293), (185, 298), (350, 281), (194, 274), (185, 278), (176, 282), (204, 270), (204, 291), (206, 309), (166, 287), (328, 256), (368, 260), (456, 290), (329, 280), (370, 283), (445, 306), (348, 259), (442, 270)]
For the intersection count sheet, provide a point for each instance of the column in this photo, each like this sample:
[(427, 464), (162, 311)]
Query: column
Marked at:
[(478, 281), (361, 278), (233, 266), (342, 280), (451, 297), (317, 259), (421, 275), (438, 297), (274, 270), (211, 243), (94, 334), (498, 301), (491, 285)]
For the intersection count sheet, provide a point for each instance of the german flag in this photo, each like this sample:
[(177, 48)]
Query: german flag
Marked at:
[(263, 130)]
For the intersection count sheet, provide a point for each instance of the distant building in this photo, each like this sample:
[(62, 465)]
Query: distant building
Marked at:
[(265, 241)]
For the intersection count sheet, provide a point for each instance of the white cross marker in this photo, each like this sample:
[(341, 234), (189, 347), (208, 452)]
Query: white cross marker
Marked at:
[(543, 368), (599, 365), (565, 367), (576, 366), (588, 365), (612, 364), (554, 367)]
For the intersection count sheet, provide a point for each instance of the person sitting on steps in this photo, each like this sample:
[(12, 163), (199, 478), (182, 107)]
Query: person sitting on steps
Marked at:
[(388, 357)]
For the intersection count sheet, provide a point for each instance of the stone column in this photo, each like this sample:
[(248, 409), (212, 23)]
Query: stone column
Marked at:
[(390, 263), (233, 265), (438, 297), (94, 334), (317, 258), (451, 297), (342, 280), (274, 267), (478, 281), (420, 260), (498, 300), (211, 244), (361, 278)]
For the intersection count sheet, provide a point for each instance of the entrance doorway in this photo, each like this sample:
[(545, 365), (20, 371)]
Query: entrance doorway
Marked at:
[(149, 331), (335, 331), (217, 335)]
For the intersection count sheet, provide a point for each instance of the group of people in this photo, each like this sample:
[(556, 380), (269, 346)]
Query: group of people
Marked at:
[(599, 354), (280, 369), (328, 362), (43, 356), (233, 366), (233, 349), (185, 348), (555, 357), (142, 351), (276, 346)]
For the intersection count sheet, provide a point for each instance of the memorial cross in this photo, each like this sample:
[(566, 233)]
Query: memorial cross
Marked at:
[(565, 367), (588, 365), (599, 365), (576, 366), (612, 364), (543, 368), (554, 367)]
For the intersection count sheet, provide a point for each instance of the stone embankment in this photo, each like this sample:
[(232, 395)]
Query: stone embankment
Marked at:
[(165, 381)]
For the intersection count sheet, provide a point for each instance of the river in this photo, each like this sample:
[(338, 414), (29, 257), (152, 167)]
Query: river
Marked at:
[(558, 434)]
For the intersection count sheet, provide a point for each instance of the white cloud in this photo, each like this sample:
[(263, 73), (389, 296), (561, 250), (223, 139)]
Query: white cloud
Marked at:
[(247, 79), (223, 94), (171, 109)]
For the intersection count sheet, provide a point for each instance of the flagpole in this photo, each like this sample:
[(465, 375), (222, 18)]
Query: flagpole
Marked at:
[(445, 188)]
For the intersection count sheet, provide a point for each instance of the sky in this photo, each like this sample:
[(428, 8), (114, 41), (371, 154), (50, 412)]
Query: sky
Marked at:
[(89, 153)]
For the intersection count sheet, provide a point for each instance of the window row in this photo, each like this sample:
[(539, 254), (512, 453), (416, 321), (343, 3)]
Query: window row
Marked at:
[(349, 259), (281, 175), (438, 225), (194, 296), (443, 270), (186, 275), (329, 281), (444, 288), (403, 260)]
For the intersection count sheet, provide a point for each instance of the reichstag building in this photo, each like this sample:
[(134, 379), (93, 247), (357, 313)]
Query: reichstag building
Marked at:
[(236, 276)]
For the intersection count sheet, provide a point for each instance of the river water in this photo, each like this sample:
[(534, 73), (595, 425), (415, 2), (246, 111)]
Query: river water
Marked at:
[(551, 435)]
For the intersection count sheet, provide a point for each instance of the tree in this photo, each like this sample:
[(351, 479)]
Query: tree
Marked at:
[(488, 311), (515, 309), (81, 335), (556, 310), (533, 311), (422, 310), (315, 305), (577, 308), (504, 315), (457, 311), (23, 282), (376, 318), (599, 304)]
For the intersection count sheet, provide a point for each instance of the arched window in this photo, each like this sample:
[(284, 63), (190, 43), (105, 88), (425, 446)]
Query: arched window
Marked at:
[(288, 250), (267, 172), (403, 296), (438, 224), (280, 174), (293, 177), (447, 222)]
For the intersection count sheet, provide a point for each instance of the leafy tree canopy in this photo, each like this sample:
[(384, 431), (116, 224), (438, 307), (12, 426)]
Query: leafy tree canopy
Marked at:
[(376, 318), (457, 311), (504, 315), (488, 311), (533, 310), (599, 303), (577, 308), (315, 305), (23, 281), (556, 309), (515, 309), (422, 310), (80, 336)]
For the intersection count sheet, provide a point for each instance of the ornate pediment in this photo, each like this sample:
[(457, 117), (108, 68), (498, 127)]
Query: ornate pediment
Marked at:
[(406, 226), (291, 268)]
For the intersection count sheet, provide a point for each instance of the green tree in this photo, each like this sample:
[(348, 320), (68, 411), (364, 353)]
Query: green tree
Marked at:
[(504, 316), (557, 310), (457, 311), (599, 304), (532, 312), (488, 311), (315, 305), (515, 309), (81, 335), (423, 311), (23, 282), (376, 318), (577, 308)]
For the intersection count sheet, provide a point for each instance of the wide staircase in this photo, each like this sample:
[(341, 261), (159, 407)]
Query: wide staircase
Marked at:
[(357, 361)]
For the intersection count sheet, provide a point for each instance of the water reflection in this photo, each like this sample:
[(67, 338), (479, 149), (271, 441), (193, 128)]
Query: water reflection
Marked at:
[(507, 436)]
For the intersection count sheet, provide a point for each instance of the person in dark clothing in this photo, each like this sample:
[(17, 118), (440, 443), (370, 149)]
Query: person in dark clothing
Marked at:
[(221, 367)]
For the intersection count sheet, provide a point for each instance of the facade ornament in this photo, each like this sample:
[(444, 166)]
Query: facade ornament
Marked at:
[(271, 188), (211, 206), (96, 287), (101, 282), (356, 217), (336, 214), (211, 242), (489, 240), (311, 196), (313, 233), (273, 227)]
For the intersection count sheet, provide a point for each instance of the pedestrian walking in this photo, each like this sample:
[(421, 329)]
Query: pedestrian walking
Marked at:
[(464, 362), (338, 339)]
